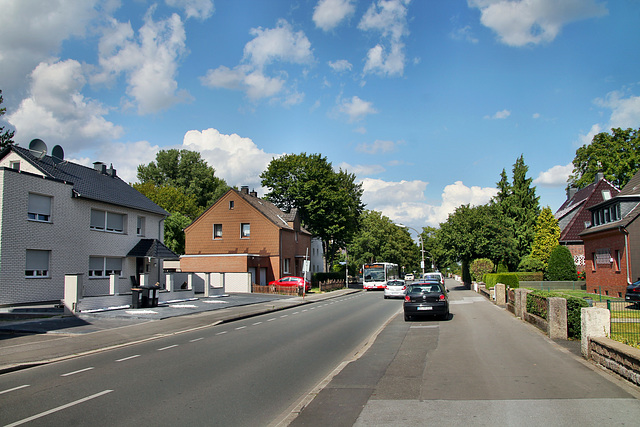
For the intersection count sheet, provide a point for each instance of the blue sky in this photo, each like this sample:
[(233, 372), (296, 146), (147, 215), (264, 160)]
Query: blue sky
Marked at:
[(425, 101)]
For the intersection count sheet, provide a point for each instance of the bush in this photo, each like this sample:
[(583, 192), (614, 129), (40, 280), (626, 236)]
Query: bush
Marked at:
[(537, 304), (323, 277), (561, 265), (531, 264), (502, 268), (509, 279), (480, 267)]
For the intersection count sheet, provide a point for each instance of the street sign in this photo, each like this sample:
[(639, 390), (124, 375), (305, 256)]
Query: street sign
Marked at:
[(306, 266)]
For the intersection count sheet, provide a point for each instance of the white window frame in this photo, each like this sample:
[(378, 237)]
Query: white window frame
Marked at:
[(286, 265), (245, 230), (217, 231), (37, 263), (140, 225), (39, 207), (101, 267)]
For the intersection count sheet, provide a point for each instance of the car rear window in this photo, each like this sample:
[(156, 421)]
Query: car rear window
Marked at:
[(425, 288)]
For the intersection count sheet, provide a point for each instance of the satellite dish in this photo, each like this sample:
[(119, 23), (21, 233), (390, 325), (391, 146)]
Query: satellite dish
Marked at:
[(38, 148), (57, 154)]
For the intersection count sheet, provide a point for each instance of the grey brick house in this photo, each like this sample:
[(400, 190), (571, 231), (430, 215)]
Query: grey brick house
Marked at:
[(59, 217)]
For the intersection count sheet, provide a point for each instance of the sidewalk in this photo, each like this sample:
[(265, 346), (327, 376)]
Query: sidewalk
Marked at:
[(33, 342)]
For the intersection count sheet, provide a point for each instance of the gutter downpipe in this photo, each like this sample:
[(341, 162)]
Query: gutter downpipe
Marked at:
[(626, 251)]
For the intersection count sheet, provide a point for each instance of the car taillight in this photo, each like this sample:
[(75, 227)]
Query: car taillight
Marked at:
[(404, 288), (386, 287), (407, 298), (441, 297)]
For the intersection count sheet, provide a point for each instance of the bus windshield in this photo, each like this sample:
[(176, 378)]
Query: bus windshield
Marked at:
[(374, 273), (375, 276)]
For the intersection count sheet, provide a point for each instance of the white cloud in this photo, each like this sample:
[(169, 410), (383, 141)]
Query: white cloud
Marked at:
[(499, 115), (362, 170), (465, 34), (588, 137), (199, 9), (403, 201), (328, 14), (555, 177), (524, 22), (356, 108), (378, 146), (536, 116), (237, 160), (32, 31), (149, 61), (340, 66), (57, 112), (279, 44), (625, 112), (389, 18), (119, 155)]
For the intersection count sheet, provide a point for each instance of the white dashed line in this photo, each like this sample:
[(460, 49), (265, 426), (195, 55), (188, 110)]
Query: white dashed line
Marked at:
[(168, 347), (76, 372), (128, 358), (14, 389)]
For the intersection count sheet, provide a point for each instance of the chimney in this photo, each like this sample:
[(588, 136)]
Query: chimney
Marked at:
[(244, 189), (100, 167), (571, 191), (111, 171), (599, 177), (254, 193)]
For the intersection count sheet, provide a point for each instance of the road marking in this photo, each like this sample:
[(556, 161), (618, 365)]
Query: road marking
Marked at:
[(271, 320), (223, 332), (196, 339), (76, 372), (284, 315), (297, 312), (257, 323), (14, 389), (59, 408), (128, 358), (167, 347), (240, 327)]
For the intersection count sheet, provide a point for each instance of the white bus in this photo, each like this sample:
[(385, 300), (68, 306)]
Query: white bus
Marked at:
[(375, 276)]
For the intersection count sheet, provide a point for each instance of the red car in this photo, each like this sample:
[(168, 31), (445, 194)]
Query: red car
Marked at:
[(292, 281)]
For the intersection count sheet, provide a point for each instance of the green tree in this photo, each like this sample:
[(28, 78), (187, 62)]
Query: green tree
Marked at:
[(6, 136), (434, 252), (171, 199), (520, 205), (174, 227), (616, 155), (561, 265), (531, 264), (479, 267), (329, 202), (380, 240), (547, 233), (187, 171)]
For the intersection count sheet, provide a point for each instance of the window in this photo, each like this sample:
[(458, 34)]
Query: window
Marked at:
[(245, 230), (593, 261), (37, 263), (217, 231), (104, 266), (107, 221), (618, 260), (39, 208), (285, 266), (231, 203), (606, 194), (140, 226), (15, 165)]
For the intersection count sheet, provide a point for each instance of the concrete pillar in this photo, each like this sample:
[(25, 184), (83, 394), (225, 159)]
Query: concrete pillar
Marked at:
[(73, 292), (190, 281), (207, 284), (144, 279), (521, 302), (594, 322), (169, 282), (557, 318), (501, 294), (113, 280)]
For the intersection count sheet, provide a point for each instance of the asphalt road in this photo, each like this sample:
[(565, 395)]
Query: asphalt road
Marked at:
[(243, 373), (482, 367)]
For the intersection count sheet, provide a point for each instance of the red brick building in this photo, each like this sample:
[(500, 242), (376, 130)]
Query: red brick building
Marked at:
[(574, 215), (243, 233), (612, 242)]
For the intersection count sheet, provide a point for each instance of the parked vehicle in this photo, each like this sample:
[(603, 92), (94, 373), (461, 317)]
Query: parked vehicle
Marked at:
[(395, 289), (409, 276), (633, 293), (292, 281), (426, 298)]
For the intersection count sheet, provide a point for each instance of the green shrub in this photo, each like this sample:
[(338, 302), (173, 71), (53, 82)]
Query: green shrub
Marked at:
[(323, 277), (509, 279), (574, 316), (561, 265), (531, 264), (502, 268), (537, 302), (480, 267)]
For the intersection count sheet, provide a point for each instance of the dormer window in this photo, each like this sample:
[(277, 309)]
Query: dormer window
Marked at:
[(606, 195)]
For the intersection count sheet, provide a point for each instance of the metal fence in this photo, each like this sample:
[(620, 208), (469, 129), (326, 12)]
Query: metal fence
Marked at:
[(625, 321)]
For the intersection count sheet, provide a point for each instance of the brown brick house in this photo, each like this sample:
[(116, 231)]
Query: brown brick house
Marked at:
[(574, 215), (243, 233), (612, 242)]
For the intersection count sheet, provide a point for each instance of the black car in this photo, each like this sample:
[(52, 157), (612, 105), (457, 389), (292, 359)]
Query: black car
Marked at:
[(426, 299), (633, 293)]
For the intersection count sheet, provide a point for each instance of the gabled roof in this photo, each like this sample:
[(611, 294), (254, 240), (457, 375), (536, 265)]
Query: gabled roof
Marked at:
[(152, 248), (89, 183), (574, 212), (271, 211)]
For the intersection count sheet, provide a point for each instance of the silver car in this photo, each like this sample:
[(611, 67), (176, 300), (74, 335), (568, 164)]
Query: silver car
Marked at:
[(395, 289)]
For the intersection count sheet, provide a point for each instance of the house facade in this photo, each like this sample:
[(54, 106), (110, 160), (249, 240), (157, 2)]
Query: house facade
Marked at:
[(243, 233), (58, 218), (612, 242), (574, 215)]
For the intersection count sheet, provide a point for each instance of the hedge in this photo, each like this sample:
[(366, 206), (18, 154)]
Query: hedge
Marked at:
[(509, 279), (536, 306), (323, 277), (527, 276)]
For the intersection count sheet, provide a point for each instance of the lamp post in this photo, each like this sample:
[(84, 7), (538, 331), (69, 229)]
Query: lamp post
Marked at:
[(421, 245)]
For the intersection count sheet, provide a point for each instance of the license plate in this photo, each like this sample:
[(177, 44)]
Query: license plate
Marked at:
[(425, 308)]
